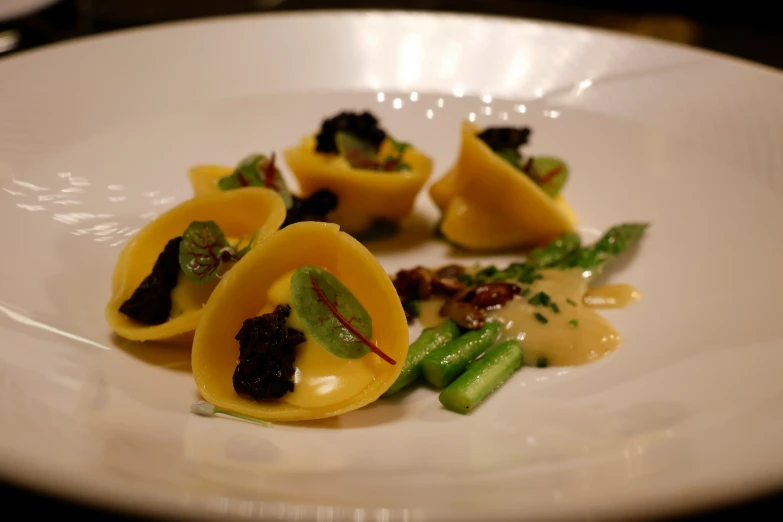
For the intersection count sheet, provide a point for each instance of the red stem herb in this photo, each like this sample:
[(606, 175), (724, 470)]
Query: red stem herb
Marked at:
[(269, 174), (343, 321), (549, 176)]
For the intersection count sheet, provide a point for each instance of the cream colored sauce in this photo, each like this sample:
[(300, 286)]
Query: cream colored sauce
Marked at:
[(188, 296), (612, 296), (561, 343), (429, 312), (321, 378)]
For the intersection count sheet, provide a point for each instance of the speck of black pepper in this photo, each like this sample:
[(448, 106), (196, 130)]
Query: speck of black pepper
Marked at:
[(267, 352), (505, 138), (314, 208), (363, 126), (150, 303)]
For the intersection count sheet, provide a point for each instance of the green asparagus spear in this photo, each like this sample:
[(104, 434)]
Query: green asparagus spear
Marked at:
[(443, 365), (555, 252), (483, 377), (430, 339), (594, 258)]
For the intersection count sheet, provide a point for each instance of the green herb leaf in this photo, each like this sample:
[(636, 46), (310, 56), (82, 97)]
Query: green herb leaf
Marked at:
[(540, 318), (256, 170), (555, 252), (510, 156), (332, 315), (570, 301), (203, 250), (574, 323), (358, 153), (540, 299), (551, 174), (542, 362), (241, 253), (399, 146), (555, 308)]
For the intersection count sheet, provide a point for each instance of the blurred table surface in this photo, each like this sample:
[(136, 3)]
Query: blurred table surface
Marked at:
[(748, 30)]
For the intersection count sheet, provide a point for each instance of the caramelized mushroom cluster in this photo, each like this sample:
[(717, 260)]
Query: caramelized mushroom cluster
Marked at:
[(464, 304)]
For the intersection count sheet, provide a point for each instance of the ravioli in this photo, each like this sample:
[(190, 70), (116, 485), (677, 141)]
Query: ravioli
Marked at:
[(239, 214), (487, 204), (364, 195), (325, 384), (204, 178)]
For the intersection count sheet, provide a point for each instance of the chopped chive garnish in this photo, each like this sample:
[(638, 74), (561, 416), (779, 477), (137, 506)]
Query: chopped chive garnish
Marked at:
[(571, 302), (542, 362), (540, 318), (574, 323), (555, 308), (540, 299), (524, 292)]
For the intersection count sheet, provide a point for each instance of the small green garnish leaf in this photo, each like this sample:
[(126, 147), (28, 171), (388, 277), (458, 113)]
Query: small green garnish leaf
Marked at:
[(241, 253), (542, 362), (550, 174), (363, 155), (510, 156), (332, 315), (358, 153), (540, 299), (555, 308), (256, 170), (540, 318), (487, 272), (574, 323), (514, 272), (399, 146), (203, 250), (570, 301)]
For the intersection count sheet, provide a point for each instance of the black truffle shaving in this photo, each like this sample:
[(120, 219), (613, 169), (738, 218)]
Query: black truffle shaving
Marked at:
[(504, 138), (150, 303), (362, 126), (267, 351), (314, 208)]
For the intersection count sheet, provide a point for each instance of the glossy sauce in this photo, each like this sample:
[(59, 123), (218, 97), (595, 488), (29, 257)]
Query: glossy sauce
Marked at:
[(612, 296), (188, 296), (429, 315), (321, 378), (560, 341)]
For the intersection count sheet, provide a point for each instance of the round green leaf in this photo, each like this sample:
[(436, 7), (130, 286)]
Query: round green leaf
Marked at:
[(330, 313), (256, 170), (552, 174)]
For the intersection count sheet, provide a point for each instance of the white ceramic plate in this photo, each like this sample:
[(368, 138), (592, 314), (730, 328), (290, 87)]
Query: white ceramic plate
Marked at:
[(95, 140)]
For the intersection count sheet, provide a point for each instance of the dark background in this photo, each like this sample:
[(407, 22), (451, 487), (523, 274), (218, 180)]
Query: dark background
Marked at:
[(749, 30)]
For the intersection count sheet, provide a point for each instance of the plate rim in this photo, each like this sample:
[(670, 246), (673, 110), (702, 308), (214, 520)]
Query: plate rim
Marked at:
[(130, 32), (59, 488)]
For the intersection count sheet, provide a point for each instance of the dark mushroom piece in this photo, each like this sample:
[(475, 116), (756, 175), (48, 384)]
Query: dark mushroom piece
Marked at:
[(466, 315)]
